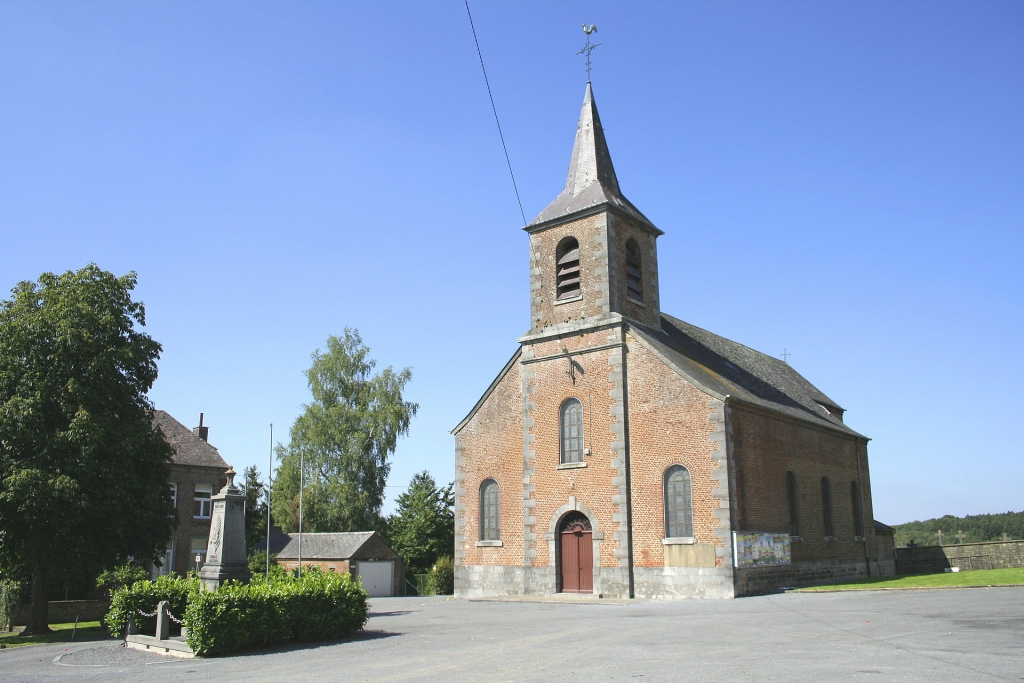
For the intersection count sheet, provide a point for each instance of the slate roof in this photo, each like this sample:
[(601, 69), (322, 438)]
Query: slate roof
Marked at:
[(723, 368), (883, 528), (591, 182), (321, 546), (189, 449)]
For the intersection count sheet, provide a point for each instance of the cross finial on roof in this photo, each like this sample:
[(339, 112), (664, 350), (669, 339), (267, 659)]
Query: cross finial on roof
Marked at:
[(785, 355), (588, 48)]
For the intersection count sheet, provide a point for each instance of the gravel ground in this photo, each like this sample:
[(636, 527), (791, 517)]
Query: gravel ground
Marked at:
[(972, 635)]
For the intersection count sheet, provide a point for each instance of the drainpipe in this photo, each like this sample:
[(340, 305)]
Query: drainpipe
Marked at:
[(863, 521), (629, 477)]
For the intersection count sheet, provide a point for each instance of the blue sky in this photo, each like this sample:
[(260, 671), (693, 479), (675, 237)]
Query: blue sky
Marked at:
[(841, 180)]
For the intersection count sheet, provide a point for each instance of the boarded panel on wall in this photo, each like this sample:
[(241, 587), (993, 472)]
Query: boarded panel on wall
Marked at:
[(759, 549)]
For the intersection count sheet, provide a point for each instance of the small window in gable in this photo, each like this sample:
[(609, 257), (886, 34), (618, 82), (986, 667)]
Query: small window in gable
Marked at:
[(634, 273), (568, 269)]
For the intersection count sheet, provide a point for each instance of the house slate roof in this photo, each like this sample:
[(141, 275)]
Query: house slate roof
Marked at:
[(325, 546), (723, 368), (189, 449), (591, 181), (883, 528)]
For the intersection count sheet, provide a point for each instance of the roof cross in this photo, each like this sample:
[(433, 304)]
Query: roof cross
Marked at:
[(785, 355), (588, 48)]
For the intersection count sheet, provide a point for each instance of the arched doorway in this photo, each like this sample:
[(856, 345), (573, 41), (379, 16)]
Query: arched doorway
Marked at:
[(576, 554)]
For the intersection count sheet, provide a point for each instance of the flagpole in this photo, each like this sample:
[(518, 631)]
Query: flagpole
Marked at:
[(270, 477), (301, 484)]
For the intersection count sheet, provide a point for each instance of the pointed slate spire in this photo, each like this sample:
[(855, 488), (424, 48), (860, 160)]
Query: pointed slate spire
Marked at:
[(591, 182)]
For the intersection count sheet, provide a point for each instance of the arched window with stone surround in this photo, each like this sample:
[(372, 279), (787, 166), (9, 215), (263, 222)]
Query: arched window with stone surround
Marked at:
[(489, 506), (567, 269), (678, 503), (791, 504), (570, 421), (634, 271), (826, 507)]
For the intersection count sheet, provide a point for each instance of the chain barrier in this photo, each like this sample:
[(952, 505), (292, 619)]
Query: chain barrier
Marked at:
[(176, 621), (169, 616), (145, 614)]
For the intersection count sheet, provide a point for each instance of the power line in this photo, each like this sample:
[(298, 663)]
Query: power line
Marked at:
[(495, 110)]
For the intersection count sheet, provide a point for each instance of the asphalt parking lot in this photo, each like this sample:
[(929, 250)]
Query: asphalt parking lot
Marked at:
[(937, 635)]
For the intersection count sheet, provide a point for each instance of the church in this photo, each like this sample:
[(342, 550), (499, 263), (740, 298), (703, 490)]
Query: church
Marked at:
[(624, 453)]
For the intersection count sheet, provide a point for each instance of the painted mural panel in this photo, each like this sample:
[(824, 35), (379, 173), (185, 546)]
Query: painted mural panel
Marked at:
[(760, 549)]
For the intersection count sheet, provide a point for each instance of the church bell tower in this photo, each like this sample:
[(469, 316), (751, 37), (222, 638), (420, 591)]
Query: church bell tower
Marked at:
[(593, 255)]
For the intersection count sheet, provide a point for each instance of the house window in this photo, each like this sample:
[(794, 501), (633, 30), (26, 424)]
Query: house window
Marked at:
[(174, 495), (858, 516), (568, 269), (203, 506), (826, 507), (791, 503), (634, 277), (166, 561), (489, 529), (678, 503), (198, 548), (571, 422)]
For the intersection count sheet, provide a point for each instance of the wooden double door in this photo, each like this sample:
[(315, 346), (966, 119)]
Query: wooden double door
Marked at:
[(576, 556)]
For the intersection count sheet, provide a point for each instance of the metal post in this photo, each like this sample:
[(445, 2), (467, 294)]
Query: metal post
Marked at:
[(270, 473), (301, 485)]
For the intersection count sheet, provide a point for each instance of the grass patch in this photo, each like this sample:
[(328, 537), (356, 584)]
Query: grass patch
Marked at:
[(87, 630), (980, 577)]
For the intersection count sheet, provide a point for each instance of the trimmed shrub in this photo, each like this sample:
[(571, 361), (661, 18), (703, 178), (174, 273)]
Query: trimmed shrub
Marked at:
[(442, 577), (144, 596), (319, 606)]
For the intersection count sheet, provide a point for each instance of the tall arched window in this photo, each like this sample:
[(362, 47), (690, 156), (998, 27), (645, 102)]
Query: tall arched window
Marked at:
[(571, 427), (858, 516), (489, 529), (567, 280), (791, 503), (826, 507), (678, 502), (634, 272)]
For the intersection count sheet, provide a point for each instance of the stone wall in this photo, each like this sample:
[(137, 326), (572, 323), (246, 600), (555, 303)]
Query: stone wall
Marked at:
[(967, 556), (755, 580), (65, 611)]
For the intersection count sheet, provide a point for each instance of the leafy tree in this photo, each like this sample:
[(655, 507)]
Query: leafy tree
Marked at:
[(976, 528), (345, 437), (119, 577), (83, 471), (255, 507), (423, 527)]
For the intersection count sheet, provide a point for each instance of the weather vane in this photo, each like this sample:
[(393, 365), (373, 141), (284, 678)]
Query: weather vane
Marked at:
[(588, 48)]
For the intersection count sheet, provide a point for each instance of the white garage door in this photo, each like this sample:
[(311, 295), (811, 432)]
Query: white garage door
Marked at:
[(376, 578)]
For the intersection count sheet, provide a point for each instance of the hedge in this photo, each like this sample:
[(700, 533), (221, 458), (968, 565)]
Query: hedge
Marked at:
[(236, 616), (144, 596), (319, 606)]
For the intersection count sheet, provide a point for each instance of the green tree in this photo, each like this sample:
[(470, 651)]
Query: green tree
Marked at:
[(255, 508), (423, 527), (83, 471), (345, 437)]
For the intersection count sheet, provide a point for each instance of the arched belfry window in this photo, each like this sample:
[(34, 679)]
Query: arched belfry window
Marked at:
[(678, 503), (571, 427), (489, 505), (826, 507), (634, 271), (568, 269), (791, 503)]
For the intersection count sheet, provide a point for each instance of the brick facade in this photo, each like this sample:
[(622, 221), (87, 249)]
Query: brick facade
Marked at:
[(655, 393)]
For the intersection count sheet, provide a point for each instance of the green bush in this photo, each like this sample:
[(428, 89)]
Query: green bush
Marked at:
[(319, 606), (144, 596), (442, 577)]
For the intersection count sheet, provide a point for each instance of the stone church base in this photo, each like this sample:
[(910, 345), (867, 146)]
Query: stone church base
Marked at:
[(611, 582), (755, 580)]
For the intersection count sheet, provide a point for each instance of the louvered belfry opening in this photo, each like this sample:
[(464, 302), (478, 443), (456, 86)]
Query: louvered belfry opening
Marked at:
[(634, 280), (568, 278)]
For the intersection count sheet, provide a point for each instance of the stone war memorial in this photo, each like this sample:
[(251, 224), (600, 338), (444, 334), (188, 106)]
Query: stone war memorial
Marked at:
[(226, 558), (623, 452)]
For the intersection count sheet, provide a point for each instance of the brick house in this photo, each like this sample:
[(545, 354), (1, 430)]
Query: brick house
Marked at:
[(197, 472), (624, 452), (363, 554)]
